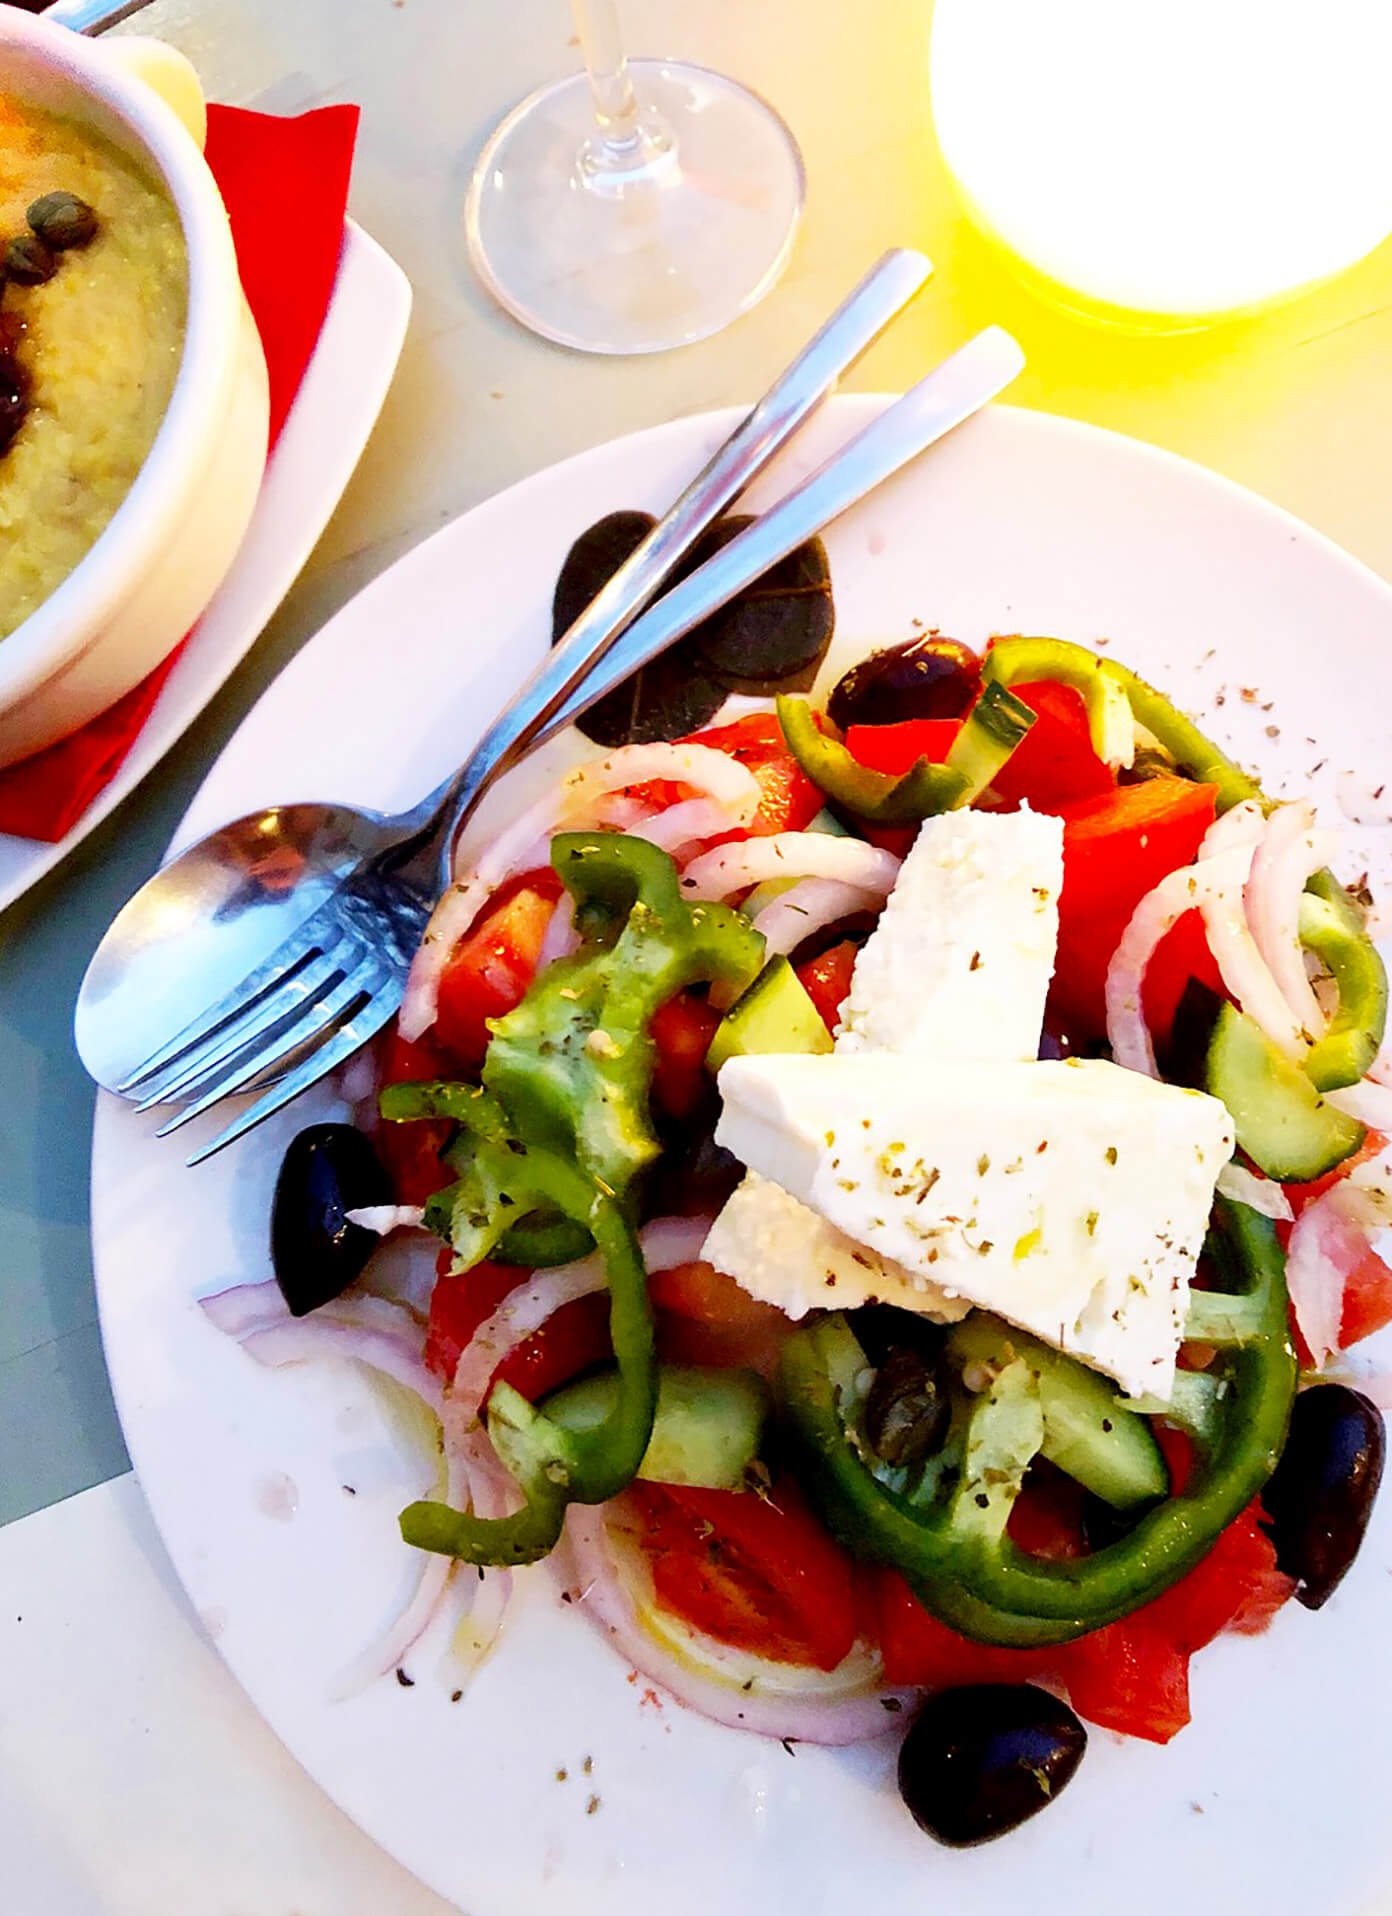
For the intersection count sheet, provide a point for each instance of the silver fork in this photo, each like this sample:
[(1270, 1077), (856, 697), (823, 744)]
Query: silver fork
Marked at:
[(240, 1039)]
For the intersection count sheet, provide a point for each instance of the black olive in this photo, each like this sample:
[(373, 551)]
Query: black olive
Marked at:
[(14, 397), (1320, 1499), (771, 637), (63, 221), (907, 1411), (1184, 1053), (328, 1170), (981, 1760), (28, 262), (694, 1175), (922, 678)]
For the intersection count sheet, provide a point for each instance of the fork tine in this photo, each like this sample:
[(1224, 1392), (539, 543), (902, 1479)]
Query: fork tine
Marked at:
[(351, 1037), (296, 951), (305, 1023), (186, 1075)]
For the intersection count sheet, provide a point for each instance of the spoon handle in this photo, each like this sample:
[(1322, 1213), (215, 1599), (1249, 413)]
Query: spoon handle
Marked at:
[(532, 714)]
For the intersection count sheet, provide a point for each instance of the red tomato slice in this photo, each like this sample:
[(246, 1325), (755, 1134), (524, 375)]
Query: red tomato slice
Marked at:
[(827, 979), (759, 1573), (896, 749), (411, 1152), (917, 1649), (682, 1030), (575, 1339), (788, 800), (1115, 849), (1182, 954), (703, 1317), (1054, 764), (1367, 1299), (1128, 1677), (489, 971)]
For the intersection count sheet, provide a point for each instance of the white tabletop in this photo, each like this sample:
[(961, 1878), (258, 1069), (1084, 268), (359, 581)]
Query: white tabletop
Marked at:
[(134, 1778)]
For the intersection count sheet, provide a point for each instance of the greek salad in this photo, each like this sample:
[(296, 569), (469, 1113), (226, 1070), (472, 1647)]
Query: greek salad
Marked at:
[(900, 1175)]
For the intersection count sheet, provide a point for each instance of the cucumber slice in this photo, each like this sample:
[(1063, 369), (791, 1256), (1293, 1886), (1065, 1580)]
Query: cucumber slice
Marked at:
[(1088, 1431), (775, 1014), (707, 1430), (1282, 1123)]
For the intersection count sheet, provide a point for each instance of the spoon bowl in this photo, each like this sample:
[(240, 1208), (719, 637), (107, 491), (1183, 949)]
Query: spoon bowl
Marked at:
[(207, 920)]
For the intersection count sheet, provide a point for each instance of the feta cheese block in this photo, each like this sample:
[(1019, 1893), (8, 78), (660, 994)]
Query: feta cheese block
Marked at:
[(788, 1255), (960, 962), (1070, 1198)]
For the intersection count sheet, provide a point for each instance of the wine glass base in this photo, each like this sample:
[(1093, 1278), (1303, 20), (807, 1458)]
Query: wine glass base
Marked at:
[(615, 262)]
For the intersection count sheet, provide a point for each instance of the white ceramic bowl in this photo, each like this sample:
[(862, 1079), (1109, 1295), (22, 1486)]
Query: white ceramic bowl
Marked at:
[(154, 568)]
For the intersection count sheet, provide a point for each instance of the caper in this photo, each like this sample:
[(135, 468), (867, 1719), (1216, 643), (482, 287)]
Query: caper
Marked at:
[(28, 262), (14, 397), (907, 1411), (63, 221)]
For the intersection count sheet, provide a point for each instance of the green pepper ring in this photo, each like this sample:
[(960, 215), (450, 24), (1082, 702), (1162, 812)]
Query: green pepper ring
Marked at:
[(961, 1564)]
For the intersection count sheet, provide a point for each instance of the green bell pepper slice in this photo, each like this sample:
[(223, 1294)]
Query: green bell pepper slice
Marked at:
[(881, 797), (954, 1548), (572, 1064), (507, 1177), (1331, 927)]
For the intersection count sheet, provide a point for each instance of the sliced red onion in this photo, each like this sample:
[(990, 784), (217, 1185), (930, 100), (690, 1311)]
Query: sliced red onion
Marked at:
[(1158, 913), (706, 771), (560, 938), (1369, 1102), (667, 1242), (300, 1339), (517, 1318), (1243, 825), (403, 1268), (686, 823), (1257, 1193), (386, 1218), (249, 1307), (808, 907), (847, 1705), (1325, 1246), (1288, 855), (732, 868), (1246, 973)]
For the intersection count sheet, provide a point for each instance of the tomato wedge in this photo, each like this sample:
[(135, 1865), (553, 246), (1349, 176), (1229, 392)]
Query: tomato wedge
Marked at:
[(1116, 848), (827, 980), (682, 1030), (574, 1339), (788, 800), (489, 970), (757, 1572), (411, 1152), (703, 1317)]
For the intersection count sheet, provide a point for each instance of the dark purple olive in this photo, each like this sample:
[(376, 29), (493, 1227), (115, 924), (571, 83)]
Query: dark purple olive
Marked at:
[(983, 1759), (929, 677), (694, 1175), (1320, 1499), (908, 1410), (28, 262), (329, 1170)]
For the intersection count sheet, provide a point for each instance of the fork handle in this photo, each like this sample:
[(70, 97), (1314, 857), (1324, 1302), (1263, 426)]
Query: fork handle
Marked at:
[(532, 713)]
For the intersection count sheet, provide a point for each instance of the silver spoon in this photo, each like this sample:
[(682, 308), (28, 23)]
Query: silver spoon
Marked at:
[(200, 927)]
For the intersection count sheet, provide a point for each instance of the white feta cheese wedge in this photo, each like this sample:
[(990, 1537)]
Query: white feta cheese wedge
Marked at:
[(960, 961), (1069, 1198), (788, 1255)]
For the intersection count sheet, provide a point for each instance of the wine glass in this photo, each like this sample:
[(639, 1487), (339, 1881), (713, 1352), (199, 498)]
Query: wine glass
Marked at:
[(638, 205)]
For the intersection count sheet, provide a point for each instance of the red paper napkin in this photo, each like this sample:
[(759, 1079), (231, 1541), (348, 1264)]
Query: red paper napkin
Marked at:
[(264, 167)]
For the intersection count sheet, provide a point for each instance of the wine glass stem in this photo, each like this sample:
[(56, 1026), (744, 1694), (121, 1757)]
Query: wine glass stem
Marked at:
[(616, 109)]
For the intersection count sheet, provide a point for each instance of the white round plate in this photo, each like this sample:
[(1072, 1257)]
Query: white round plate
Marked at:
[(1274, 1799)]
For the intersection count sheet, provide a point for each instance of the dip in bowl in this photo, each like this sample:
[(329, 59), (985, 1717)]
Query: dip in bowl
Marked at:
[(134, 468)]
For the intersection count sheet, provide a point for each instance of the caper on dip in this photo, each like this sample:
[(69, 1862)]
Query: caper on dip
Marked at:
[(98, 341)]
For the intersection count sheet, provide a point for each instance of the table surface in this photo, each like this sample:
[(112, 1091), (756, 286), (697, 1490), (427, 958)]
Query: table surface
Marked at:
[(1296, 404)]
